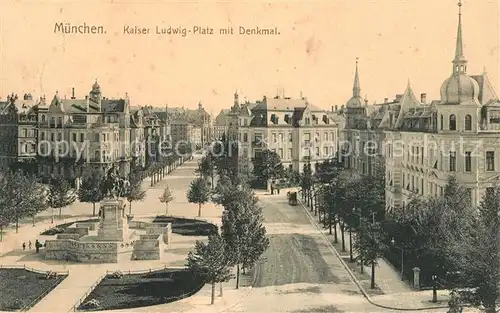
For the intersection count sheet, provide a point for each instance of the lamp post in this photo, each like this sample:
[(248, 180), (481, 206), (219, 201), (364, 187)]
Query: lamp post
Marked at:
[(402, 257), (434, 288)]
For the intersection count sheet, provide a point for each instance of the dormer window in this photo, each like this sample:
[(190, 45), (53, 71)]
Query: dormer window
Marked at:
[(307, 121), (274, 119), (325, 119), (287, 119)]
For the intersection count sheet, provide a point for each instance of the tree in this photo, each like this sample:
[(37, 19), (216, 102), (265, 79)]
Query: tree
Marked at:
[(306, 182), (20, 196), (209, 262), (206, 167), (60, 193), (255, 242), (199, 192), (479, 256), (166, 198), (134, 191), (371, 245), (90, 190), (267, 166), (242, 228)]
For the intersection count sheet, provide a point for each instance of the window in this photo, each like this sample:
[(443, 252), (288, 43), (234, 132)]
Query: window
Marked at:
[(325, 150), (280, 152), (468, 161), (52, 137), (280, 137), (490, 161), (60, 121), (307, 137), (290, 154), (468, 122), (245, 137), (317, 151), (82, 137), (42, 136), (307, 121), (25, 133), (442, 121), (453, 161), (274, 137), (332, 136), (43, 118), (453, 122), (317, 137), (290, 137), (74, 136), (326, 136)]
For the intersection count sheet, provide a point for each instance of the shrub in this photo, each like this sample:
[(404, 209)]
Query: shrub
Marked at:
[(117, 274), (51, 275), (91, 304)]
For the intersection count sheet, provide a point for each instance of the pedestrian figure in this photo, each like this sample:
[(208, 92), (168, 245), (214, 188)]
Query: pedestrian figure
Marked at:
[(278, 190), (29, 244), (272, 189), (37, 246), (24, 245)]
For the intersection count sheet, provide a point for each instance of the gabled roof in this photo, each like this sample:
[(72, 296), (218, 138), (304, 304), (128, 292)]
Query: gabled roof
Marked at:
[(284, 104)]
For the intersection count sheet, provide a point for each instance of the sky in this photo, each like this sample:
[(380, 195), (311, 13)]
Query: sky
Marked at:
[(314, 54)]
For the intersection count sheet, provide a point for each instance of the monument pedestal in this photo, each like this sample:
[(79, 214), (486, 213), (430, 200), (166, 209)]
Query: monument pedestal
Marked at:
[(113, 225)]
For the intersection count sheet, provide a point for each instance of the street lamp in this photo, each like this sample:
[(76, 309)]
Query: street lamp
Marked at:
[(402, 257), (434, 289)]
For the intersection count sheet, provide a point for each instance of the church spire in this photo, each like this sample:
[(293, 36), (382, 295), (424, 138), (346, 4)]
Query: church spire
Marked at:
[(459, 63), (356, 90)]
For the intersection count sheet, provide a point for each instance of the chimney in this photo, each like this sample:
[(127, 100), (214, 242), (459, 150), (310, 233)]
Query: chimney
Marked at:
[(86, 97), (73, 93), (386, 100), (423, 97), (398, 97), (336, 108), (366, 101)]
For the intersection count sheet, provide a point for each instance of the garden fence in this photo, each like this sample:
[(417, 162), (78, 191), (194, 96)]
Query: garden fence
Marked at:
[(74, 308), (28, 306)]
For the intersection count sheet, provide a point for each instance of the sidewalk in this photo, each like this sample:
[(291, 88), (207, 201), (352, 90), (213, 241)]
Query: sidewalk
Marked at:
[(386, 278), (397, 294)]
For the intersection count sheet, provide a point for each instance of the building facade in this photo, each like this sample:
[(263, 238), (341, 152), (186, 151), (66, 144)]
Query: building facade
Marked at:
[(296, 130), (425, 142)]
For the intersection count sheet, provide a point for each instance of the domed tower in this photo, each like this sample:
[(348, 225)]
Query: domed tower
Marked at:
[(459, 87), (95, 94), (355, 107)]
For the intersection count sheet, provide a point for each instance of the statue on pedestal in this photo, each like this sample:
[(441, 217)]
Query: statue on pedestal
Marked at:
[(113, 185)]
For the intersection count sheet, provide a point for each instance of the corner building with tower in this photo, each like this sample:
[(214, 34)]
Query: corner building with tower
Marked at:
[(424, 142)]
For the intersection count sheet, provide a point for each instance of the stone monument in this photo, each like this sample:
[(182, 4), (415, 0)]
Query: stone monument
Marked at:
[(113, 226)]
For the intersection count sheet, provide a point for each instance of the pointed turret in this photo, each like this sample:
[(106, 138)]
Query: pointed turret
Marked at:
[(356, 89), (459, 62)]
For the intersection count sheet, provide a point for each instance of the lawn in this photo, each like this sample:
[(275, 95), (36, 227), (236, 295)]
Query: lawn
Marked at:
[(139, 290), (21, 288), (59, 229), (187, 226)]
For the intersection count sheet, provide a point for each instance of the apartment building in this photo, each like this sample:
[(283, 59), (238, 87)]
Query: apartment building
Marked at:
[(296, 130)]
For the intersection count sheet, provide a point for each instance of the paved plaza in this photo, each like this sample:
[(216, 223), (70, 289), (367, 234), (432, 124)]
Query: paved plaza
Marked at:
[(300, 272)]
